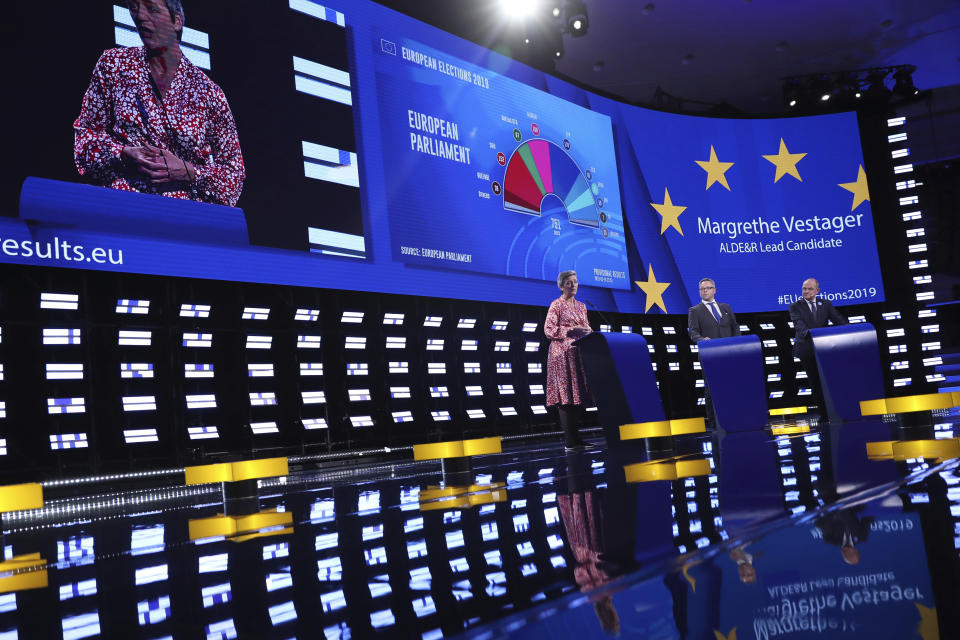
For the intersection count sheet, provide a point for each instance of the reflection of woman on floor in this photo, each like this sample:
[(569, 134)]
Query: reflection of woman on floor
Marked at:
[(566, 384), (583, 522)]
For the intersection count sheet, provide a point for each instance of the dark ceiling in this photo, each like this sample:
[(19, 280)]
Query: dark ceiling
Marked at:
[(714, 51)]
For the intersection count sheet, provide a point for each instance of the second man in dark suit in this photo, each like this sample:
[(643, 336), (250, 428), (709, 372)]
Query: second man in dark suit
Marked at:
[(710, 319), (811, 312)]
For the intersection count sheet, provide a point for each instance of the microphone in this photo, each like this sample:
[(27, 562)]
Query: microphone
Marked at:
[(600, 313)]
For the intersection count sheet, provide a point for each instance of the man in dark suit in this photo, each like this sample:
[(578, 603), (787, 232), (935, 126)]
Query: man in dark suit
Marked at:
[(710, 319), (808, 313)]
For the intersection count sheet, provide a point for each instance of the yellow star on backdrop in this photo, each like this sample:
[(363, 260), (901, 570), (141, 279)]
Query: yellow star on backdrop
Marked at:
[(785, 162), (858, 188), (715, 169), (654, 291), (928, 629), (730, 636), (669, 212)]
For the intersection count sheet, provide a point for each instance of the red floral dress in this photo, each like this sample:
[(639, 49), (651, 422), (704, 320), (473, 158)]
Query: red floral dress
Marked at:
[(192, 120), (565, 380)]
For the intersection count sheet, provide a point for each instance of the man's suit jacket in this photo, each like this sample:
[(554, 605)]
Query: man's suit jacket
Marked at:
[(701, 322), (803, 321)]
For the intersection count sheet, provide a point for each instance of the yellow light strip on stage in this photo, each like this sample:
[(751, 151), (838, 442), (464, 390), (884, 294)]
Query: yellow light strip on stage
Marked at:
[(457, 448), (20, 497), (247, 526), (906, 404), (786, 411), (436, 498), (237, 471), (21, 573), (662, 428), (669, 469)]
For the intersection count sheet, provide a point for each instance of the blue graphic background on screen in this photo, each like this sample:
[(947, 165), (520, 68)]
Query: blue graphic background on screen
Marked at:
[(547, 217), (666, 147)]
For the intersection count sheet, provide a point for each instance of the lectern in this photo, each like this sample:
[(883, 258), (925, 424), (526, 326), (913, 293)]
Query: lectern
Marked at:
[(848, 360), (733, 369)]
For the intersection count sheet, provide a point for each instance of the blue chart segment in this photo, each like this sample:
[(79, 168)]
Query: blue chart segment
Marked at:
[(539, 168)]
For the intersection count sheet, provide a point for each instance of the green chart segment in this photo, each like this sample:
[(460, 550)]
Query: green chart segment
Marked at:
[(538, 168)]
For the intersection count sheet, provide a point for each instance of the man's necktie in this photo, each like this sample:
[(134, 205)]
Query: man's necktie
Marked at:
[(716, 311), (813, 311)]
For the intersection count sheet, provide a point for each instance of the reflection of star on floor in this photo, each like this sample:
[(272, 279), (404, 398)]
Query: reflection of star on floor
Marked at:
[(928, 629), (730, 636)]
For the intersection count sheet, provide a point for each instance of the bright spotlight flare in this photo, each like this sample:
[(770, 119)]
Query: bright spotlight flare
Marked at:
[(520, 9)]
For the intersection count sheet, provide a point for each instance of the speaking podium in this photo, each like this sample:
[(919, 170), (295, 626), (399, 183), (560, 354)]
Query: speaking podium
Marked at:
[(620, 376), (733, 369), (848, 360)]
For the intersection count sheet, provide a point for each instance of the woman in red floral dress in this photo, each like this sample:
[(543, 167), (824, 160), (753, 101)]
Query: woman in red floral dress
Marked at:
[(566, 384), (152, 122)]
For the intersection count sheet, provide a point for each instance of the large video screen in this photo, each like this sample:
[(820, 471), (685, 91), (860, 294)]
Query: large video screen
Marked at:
[(343, 145)]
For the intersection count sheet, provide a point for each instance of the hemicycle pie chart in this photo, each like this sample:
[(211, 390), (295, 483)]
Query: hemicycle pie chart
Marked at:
[(538, 169)]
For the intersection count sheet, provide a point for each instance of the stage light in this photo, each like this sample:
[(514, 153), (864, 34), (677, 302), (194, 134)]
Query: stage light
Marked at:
[(60, 371), (439, 392), (499, 325), (355, 342), (259, 342), (139, 307), (66, 405), (358, 395), (466, 323), (61, 336), (351, 317), (432, 321), (434, 344), (215, 594), (263, 398), (902, 382), (508, 411), (255, 313), (203, 433), (315, 397), (3, 409), (468, 345), (137, 436), (534, 367), (134, 338), (440, 416), (647, 331), (262, 428), (927, 313), (529, 327), (897, 348), (502, 345), (876, 89), (505, 389), (398, 367), (504, 367), (899, 364), (576, 15), (253, 371), (903, 168), (307, 315), (202, 401), (63, 301), (361, 421), (791, 92), (400, 417), (357, 369), (393, 318), (473, 390), (311, 368), (199, 340), (671, 348), (673, 366), (918, 264), (139, 403), (68, 441), (773, 377), (194, 311), (771, 359), (475, 414), (471, 367), (206, 370), (314, 423), (396, 342), (531, 347), (136, 370), (536, 389), (769, 344)]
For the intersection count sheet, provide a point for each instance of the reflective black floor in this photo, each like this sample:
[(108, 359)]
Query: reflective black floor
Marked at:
[(798, 531)]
